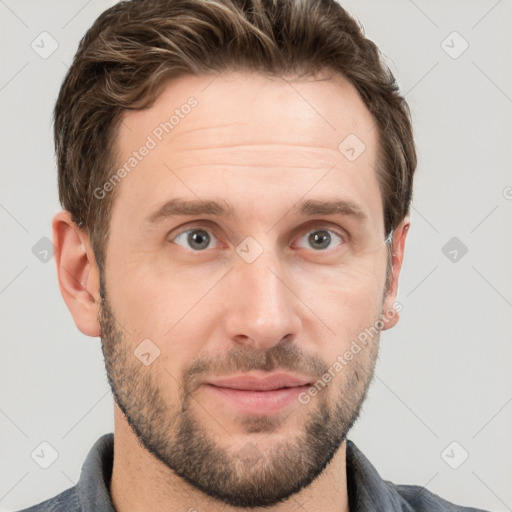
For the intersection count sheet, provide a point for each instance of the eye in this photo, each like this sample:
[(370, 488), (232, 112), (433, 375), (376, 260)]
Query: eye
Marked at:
[(200, 239), (196, 238), (319, 239)]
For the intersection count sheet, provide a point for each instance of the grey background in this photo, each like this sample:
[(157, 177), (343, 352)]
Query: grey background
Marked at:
[(444, 372)]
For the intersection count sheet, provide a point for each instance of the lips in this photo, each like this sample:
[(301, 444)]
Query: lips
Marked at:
[(267, 383), (257, 395)]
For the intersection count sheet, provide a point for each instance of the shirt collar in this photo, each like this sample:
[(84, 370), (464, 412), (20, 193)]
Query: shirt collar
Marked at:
[(367, 491), (93, 486)]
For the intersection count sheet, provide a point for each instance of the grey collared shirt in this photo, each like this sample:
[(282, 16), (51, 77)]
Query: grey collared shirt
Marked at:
[(367, 491)]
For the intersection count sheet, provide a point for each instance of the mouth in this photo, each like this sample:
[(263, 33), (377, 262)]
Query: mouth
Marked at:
[(257, 396)]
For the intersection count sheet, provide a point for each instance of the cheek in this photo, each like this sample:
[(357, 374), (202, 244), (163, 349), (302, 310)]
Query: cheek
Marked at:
[(355, 288), (348, 302), (169, 308)]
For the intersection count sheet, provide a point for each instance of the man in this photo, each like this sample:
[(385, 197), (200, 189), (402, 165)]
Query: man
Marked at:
[(236, 180)]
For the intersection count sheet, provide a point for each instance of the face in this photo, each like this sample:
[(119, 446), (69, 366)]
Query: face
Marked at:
[(245, 242)]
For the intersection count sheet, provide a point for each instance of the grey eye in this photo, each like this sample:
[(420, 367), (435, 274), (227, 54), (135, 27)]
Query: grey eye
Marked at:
[(197, 239), (319, 239)]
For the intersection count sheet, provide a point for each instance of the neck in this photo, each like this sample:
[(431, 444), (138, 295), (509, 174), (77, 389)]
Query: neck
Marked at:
[(140, 482)]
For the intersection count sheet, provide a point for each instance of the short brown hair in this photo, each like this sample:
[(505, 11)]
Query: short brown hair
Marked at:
[(134, 47)]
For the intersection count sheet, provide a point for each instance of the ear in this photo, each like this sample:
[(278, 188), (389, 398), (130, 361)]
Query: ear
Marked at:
[(77, 273), (391, 315)]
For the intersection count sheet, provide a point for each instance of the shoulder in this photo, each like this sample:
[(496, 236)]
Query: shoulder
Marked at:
[(421, 499), (91, 492), (369, 491), (66, 501)]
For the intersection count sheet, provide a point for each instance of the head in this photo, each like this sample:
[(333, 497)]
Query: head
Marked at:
[(236, 180)]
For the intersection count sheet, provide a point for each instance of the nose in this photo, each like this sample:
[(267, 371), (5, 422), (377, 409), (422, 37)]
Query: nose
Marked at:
[(262, 309)]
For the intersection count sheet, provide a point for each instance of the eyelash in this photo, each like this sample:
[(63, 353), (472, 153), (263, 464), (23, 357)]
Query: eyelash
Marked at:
[(319, 227)]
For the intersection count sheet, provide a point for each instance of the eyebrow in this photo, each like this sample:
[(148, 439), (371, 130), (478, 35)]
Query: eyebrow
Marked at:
[(308, 208)]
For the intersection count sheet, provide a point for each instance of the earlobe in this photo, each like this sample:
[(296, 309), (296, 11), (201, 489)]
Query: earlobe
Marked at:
[(77, 273), (390, 314)]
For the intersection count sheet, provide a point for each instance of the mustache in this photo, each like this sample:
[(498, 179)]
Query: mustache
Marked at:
[(285, 356)]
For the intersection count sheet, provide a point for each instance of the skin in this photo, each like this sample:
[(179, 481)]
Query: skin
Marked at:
[(261, 145)]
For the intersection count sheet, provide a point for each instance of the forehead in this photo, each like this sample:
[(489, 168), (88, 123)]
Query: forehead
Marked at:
[(318, 112), (220, 135)]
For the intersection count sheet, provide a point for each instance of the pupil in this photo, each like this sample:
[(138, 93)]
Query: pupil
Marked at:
[(199, 237), (324, 235)]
